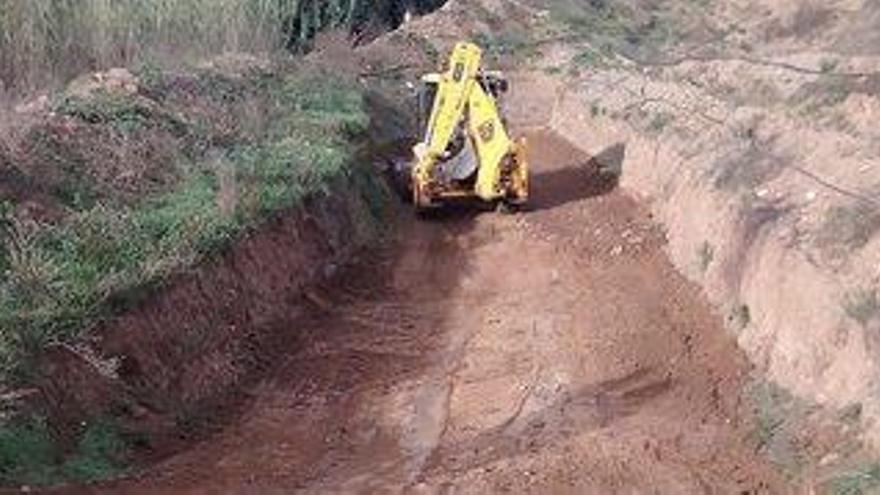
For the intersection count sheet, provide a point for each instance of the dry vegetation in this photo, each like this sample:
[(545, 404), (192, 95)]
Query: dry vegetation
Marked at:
[(46, 42)]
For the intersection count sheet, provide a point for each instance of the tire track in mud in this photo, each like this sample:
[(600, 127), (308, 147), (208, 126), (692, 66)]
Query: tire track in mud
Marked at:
[(554, 351)]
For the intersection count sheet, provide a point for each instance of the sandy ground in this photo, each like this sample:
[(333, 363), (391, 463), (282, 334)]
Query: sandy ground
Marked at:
[(551, 351)]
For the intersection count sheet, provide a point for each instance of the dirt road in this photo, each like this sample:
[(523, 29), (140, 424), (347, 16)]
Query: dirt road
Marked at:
[(552, 351)]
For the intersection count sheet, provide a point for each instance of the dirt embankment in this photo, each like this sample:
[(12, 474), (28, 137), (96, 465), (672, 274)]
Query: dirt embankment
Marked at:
[(170, 259), (179, 362), (758, 153)]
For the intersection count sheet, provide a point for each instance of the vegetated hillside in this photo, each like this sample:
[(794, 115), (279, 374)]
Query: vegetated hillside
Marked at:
[(47, 42), (120, 184)]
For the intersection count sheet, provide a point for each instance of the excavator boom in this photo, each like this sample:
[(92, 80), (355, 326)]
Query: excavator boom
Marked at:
[(465, 149)]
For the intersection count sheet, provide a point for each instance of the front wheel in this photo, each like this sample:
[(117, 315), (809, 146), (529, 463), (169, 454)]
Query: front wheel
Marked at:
[(508, 207)]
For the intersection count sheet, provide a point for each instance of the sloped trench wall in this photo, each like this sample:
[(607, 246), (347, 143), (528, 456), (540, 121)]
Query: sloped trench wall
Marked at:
[(787, 307), (191, 347)]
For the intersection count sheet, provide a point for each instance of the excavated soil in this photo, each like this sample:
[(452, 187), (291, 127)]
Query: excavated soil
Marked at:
[(555, 350)]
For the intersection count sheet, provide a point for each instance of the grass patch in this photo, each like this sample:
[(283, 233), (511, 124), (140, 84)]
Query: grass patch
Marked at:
[(777, 414), (861, 481), (120, 111), (747, 167), (659, 122), (825, 93), (616, 27), (29, 455), (705, 256), (507, 44), (740, 316), (862, 305), (100, 455), (828, 65), (593, 58), (810, 17), (851, 226)]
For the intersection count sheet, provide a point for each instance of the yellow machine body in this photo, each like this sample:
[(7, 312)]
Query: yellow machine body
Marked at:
[(466, 150)]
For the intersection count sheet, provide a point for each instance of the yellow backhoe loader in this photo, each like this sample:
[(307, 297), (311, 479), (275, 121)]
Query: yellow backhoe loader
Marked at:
[(465, 150)]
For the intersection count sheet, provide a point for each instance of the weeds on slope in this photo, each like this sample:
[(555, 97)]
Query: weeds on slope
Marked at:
[(857, 482), (61, 278), (617, 28), (777, 415), (30, 456), (66, 276)]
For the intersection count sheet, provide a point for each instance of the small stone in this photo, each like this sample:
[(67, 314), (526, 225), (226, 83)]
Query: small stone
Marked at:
[(330, 270), (829, 459), (138, 411)]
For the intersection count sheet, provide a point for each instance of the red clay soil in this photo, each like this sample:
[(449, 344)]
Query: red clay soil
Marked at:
[(552, 351), (176, 364)]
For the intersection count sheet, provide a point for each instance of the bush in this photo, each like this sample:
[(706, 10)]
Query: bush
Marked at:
[(857, 482), (29, 455), (862, 305), (851, 226), (617, 27), (100, 454), (120, 111)]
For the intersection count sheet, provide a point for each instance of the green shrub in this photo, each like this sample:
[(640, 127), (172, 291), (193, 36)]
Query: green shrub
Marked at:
[(705, 255), (509, 43), (851, 226), (100, 455), (862, 305), (30, 455), (777, 416), (857, 482), (616, 27), (123, 112)]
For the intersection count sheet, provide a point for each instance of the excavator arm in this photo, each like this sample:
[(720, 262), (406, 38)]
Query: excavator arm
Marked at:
[(465, 150)]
